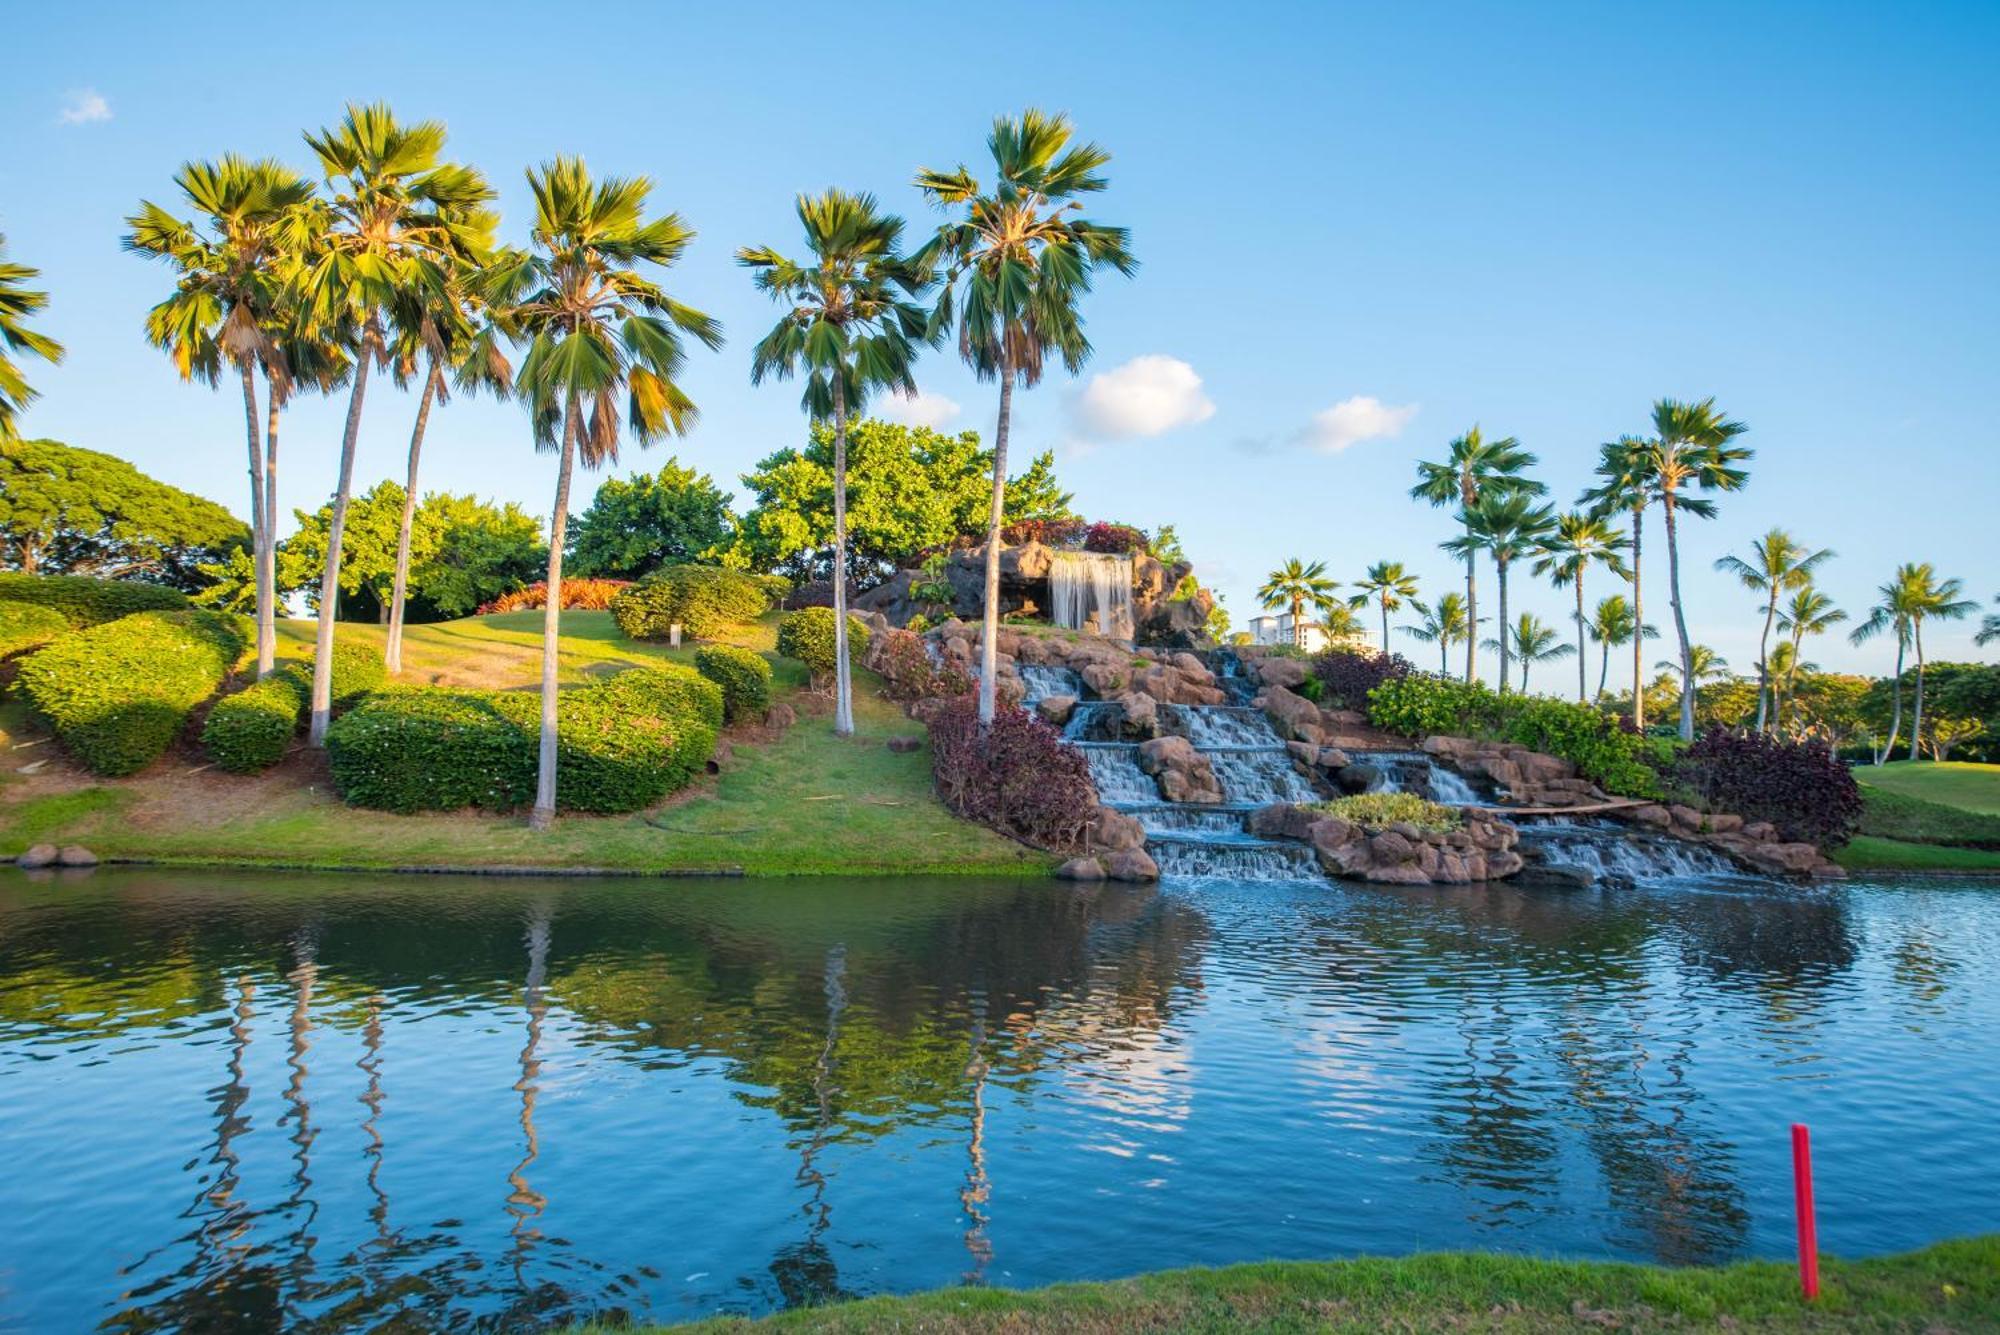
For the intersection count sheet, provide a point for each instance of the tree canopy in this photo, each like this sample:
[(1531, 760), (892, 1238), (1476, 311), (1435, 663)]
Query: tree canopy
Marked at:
[(637, 524)]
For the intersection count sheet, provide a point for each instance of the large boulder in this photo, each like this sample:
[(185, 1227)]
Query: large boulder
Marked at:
[(1286, 672), (1114, 831), (1131, 864), (1295, 716)]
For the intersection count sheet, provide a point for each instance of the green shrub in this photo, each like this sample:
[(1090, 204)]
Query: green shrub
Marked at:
[(117, 694), (704, 600), (745, 679), (1373, 811), (807, 636), (90, 602), (358, 672), (249, 731), (25, 625)]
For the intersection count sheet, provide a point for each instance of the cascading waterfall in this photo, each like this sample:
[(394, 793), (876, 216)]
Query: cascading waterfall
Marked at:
[(1606, 850), (1087, 585), (1415, 772), (1039, 682)]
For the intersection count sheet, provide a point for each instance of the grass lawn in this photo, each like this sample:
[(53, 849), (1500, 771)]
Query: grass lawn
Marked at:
[(800, 802), (1927, 816), (1954, 1286), (1869, 852), (1952, 783)]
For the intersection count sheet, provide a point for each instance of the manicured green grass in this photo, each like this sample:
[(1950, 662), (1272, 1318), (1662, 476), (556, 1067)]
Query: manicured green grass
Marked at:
[(1927, 816), (1952, 783), (1954, 1286), (1894, 815), (1870, 853)]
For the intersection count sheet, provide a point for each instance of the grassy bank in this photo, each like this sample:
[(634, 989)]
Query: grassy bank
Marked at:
[(1954, 1286), (1927, 816), (797, 803)]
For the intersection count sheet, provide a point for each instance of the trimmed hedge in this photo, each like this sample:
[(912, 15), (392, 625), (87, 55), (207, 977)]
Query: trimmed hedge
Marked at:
[(25, 625), (622, 744), (248, 732), (117, 694), (358, 672), (90, 602), (807, 636), (704, 600), (744, 676)]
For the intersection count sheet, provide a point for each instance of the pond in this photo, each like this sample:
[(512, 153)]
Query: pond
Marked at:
[(235, 1101)]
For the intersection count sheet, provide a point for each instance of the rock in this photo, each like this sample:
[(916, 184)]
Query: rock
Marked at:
[(1503, 864), (780, 716), (902, 746), (76, 855), (1347, 859), (1142, 714), (1762, 831), (1575, 878), (1329, 832), (1721, 822), (1535, 767), (1294, 715), (1131, 864), (1303, 752), (1654, 815), (1056, 709), (1685, 817), (1114, 831), (41, 855), (1389, 847), (1180, 623), (1332, 758), (1357, 777), (1285, 672), (1081, 869), (1407, 830), (1164, 753), (1441, 745), (1193, 668), (1397, 873), (1103, 678)]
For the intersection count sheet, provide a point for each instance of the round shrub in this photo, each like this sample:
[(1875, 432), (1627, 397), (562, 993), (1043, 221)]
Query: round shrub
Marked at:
[(1016, 776), (704, 600), (25, 625), (1118, 539), (118, 693), (626, 743), (1346, 676), (745, 679), (807, 636), (90, 602), (1800, 787), (249, 731)]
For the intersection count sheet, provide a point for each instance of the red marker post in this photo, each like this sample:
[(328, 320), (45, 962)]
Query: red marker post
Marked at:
[(1802, 1191)]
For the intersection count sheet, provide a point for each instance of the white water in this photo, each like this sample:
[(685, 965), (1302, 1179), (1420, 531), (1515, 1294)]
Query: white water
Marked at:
[(1041, 682), (1415, 772), (1087, 585), (1617, 852)]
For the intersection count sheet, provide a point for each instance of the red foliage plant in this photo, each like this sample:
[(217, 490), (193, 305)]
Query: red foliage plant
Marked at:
[(1117, 539), (590, 595), (1015, 776), (1049, 532), (905, 664), (1800, 787), (1346, 676)]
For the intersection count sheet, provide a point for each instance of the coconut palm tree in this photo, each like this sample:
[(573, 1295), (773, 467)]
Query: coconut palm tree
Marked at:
[(1613, 624), (230, 307), (1579, 541), (1532, 640), (852, 329), (1989, 627), (1786, 668), (1016, 264), (17, 303), (1624, 487), (1915, 595), (1777, 564), (1809, 612), (1295, 584), (1473, 470), (1339, 623), (1444, 625), (598, 331), (1702, 663), (1506, 525), (1693, 447), (1388, 586), (395, 220)]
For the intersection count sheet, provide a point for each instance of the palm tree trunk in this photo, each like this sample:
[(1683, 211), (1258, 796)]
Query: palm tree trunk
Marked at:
[(260, 525), (1385, 625), (989, 623), (267, 627), (1471, 611), (843, 674), (1764, 680), (1917, 713), (1680, 620), (1444, 656), (1500, 578), (1896, 701), (393, 654), (329, 580), (544, 813), (1603, 666), (1638, 626), (1582, 646)]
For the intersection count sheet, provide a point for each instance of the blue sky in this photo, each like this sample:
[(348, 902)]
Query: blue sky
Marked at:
[(1536, 218)]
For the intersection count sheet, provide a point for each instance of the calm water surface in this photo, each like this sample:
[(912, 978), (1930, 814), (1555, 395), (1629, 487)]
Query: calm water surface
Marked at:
[(238, 1101)]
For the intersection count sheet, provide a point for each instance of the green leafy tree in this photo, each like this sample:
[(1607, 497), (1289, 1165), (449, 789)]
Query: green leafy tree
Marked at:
[(1294, 586), (636, 525), (851, 330), (1506, 525), (1808, 612), (68, 511), (1579, 541), (17, 303), (1624, 487), (1388, 585), (1444, 625), (1017, 262), (1614, 623), (1532, 641), (1473, 470), (1913, 596), (1777, 564), (599, 331)]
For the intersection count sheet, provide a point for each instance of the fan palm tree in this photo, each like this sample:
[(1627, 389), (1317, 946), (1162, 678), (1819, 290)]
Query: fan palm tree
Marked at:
[(1624, 486), (395, 220), (1388, 586), (1473, 470), (1989, 627), (1778, 564), (1613, 624), (1444, 625), (1532, 640), (1693, 446), (1579, 541), (230, 307), (1338, 622), (1295, 584), (1506, 525), (1915, 595), (17, 303), (852, 329), (1786, 668), (598, 330), (1809, 612), (1016, 264)]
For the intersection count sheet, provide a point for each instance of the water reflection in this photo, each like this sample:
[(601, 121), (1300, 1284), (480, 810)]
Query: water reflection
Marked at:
[(700, 1097)]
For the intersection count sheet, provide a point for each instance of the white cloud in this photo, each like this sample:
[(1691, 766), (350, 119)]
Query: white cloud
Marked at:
[(1352, 421), (83, 106), (1147, 396), (919, 409)]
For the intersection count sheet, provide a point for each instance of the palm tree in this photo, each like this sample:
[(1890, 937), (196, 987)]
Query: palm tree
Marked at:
[(230, 307), (1473, 470), (17, 303), (1338, 622), (1388, 586), (1778, 563), (1624, 484), (1444, 625), (852, 330), (1809, 612), (1533, 641), (1293, 585), (1613, 624), (1702, 663), (1016, 265), (1579, 541), (395, 221), (597, 330), (1913, 596), (1787, 667), (1506, 525), (1989, 627)]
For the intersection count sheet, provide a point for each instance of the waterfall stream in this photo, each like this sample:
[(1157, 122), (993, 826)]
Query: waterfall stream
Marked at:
[(1606, 850), (1092, 591)]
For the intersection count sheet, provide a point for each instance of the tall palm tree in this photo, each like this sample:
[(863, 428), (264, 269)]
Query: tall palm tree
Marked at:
[(1532, 640), (1777, 564), (852, 329), (1702, 662), (1473, 470), (17, 303), (230, 307), (1016, 264), (1915, 595), (1388, 586), (598, 330), (1624, 486), (1295, 584), (1614, 623), (1693, 446), (394, 221), (1579, 541), (1787, 666), (1989, 626), (1505, 525), (1445, 624), (1809, 612)]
